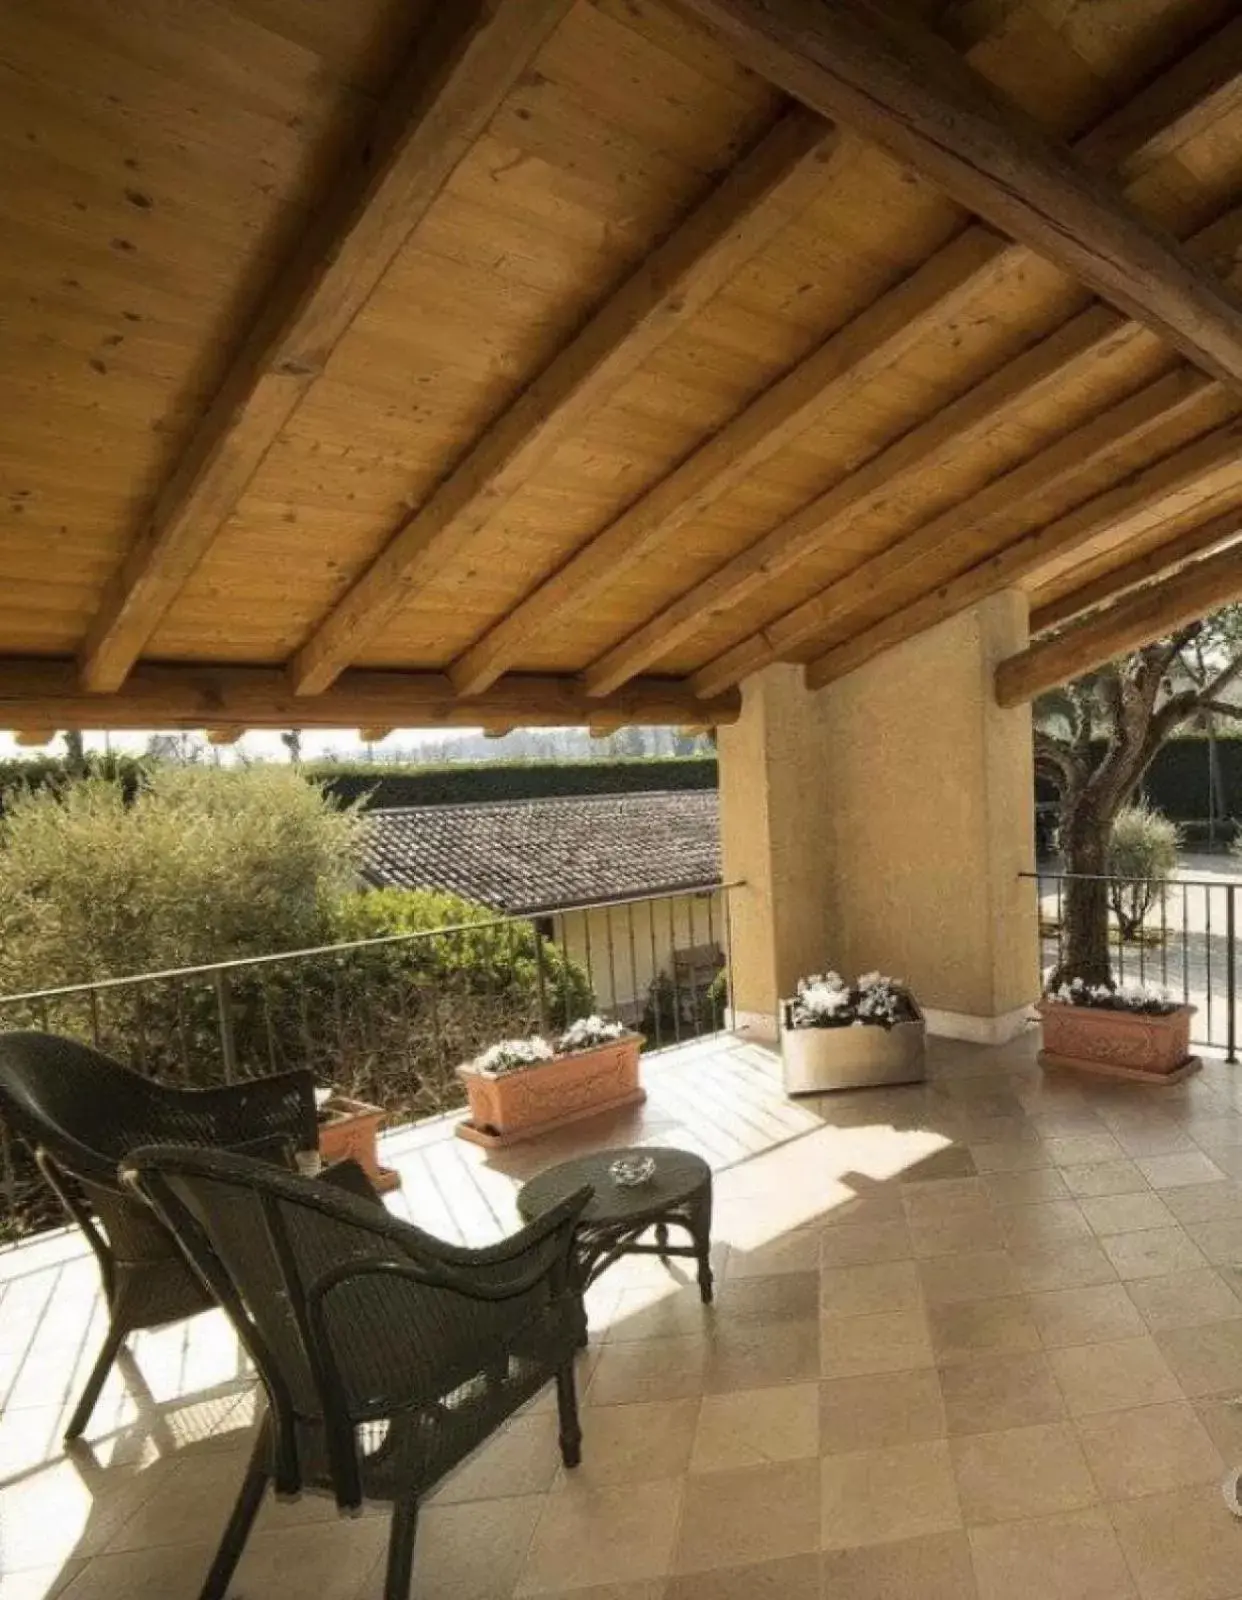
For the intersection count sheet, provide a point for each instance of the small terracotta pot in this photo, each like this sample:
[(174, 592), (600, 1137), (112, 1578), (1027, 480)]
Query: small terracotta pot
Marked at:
[(348, 1130), (510, 1106), (1129, 1044)]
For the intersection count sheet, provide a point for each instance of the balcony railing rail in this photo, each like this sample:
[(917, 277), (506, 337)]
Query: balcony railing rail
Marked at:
[(1180, 934), (389, 1019)]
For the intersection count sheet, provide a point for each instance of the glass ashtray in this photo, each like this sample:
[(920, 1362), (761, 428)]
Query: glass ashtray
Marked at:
[(631, 1172)]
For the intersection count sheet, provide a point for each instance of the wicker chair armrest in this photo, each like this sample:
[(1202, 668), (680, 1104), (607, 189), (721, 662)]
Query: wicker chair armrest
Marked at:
[(281, 1105), (562, 1218)]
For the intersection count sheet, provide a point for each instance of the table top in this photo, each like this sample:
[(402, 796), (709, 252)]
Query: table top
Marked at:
[(678, 1175)]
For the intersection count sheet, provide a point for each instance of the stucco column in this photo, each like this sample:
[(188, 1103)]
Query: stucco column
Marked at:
[(883, 823)]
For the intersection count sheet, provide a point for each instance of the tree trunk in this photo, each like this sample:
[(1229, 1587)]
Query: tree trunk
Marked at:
[(1084, 917)]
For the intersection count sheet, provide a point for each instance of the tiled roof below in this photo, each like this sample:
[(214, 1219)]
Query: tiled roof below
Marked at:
[(532, 855)]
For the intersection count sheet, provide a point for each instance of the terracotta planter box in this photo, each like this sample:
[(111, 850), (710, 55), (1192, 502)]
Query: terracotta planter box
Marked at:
[(347, 1132), (508, 1107), (1120, 1044), (817, 1060)]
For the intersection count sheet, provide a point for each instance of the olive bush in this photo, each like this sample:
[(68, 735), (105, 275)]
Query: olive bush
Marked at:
[(1142, 848)]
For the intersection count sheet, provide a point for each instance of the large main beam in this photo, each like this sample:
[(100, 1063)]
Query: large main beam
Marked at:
[(1134, 621), (37, 694), (458, 72), (1197, 474), (1160, 116), (875, 70), (777, 180)]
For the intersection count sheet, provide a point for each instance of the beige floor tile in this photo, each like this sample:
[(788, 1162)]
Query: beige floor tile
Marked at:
[(755, 1426), (1180, 1546), (1010, 1155), (170, 1572), (1185, 1300), (1083, 1149), (883, 1203), (934, 1567), (875, 1412), (754, 1514), (653, 1369), (1206, 1202), (523, 1458), (595, 1536), (1026, 1188), (875, 1496), (969, 1328), (950, 1164), (865, 1244), (1061, 1264), (329, 1559), (1222, 1418), (658, 1311), (633, 1444), (1179, 1171), (1023, 1472), (1100, 1312), (784, 1297), (994, 1393), (751, 1356), (1113, 1376), (891, 1341), (640, 1589), (1149, 1450), (937, 1202), (1206, 1360), (1154, 1138), (797, 1251), (42, 1583), (1127, 1213), (1045, 1224), (1105, 1177), (1075, 1556), (1220, 1239), (1153, 1254), (978, 1275), (860, 1291), (954, 1235), (792, 1578)]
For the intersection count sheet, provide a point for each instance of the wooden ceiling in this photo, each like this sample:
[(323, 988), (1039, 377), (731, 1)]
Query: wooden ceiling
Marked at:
[(569, 360)]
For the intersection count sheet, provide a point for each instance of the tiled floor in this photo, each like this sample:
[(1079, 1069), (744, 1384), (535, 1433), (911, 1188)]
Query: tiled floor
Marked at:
[(977, 1340)]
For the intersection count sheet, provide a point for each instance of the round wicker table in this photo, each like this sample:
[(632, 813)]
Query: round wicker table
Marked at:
[(617, 1219)]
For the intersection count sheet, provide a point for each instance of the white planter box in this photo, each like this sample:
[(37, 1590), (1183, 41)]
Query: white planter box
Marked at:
[(821, 1059)]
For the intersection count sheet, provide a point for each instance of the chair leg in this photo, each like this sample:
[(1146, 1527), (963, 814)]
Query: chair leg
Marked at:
[(245, 1510), (400, 1572), (567, 1404), (113, 1341)]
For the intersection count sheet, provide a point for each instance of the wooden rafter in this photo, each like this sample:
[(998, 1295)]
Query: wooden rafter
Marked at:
[(752, 203), (36, 693), (1119, 579), (1198, 473), (1156, 115), (879, 72), (1138, 619), (457, 74)]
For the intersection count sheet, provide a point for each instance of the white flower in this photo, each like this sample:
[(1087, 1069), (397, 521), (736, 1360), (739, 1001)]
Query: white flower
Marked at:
[(512, 1055), (588, 1031)]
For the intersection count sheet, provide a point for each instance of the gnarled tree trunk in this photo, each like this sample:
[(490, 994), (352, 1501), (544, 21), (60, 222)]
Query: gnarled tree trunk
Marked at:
[(1084, 917)]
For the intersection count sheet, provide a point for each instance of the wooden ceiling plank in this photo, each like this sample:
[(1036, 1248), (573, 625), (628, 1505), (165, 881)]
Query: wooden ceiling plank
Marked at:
[(1139, 619), (1109, 586), (39, 693), (753, 202), (1201, 471), (458, 72), (1158, 113), (1127, 425), (881, 73)]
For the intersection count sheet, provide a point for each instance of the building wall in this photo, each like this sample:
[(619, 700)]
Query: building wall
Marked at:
[(599, 939)]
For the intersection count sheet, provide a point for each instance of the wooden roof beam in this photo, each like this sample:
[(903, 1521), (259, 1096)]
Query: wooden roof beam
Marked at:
[(1138, 619), (459, 70), (1198, 473), (1158, 113), (755, 199), (1118, 580), (39, 693), (881, 73)]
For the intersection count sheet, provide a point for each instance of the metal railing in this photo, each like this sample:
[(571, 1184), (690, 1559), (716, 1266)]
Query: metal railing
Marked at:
[(1180, 934), (389, 1019)]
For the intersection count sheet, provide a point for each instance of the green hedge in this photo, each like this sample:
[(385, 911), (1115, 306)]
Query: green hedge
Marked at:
[(384, 787)]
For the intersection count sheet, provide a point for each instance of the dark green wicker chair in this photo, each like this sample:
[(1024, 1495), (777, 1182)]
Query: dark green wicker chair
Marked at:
[(82, 1113), (387, 1356)]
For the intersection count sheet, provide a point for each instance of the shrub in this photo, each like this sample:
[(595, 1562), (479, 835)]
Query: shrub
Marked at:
[(1143, 848)]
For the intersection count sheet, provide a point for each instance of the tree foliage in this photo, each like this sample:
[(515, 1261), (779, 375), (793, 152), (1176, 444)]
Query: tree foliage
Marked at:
[(1142, 857)]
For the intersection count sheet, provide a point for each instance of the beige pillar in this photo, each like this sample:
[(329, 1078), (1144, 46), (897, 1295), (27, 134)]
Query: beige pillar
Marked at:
[(883, 822)]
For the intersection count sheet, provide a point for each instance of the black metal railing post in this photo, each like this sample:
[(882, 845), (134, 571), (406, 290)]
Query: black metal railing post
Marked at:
[(1231, 975), (224, 1017)]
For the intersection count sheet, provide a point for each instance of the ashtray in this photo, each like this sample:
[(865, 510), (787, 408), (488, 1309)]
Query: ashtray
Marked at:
[(631, 1172)]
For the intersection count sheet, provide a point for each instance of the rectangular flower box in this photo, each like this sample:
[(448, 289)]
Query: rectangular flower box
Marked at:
[(508, 1107), (1120, 1044), (348, 1131), (817, 1060)]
